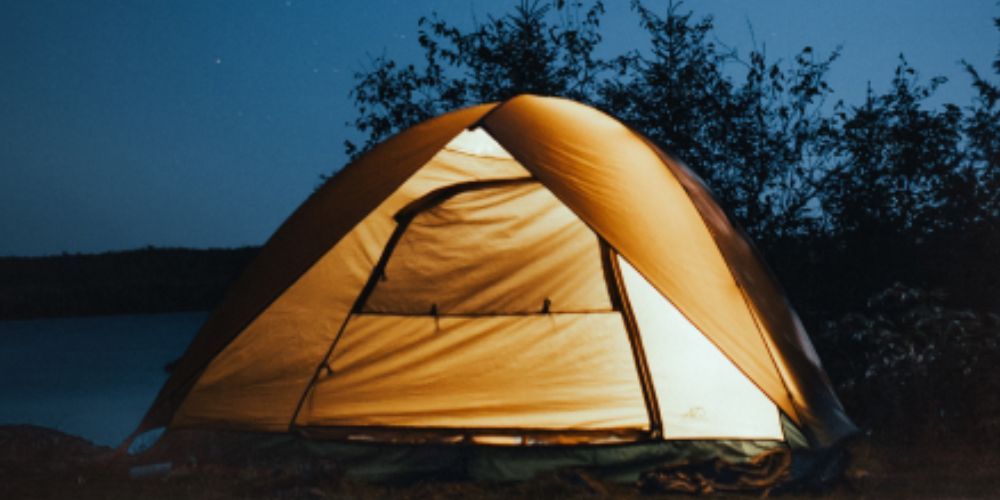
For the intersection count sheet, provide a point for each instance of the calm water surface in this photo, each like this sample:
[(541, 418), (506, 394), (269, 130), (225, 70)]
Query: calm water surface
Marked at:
[(92, 377)]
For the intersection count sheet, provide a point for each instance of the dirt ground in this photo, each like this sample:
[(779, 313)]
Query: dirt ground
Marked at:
[(42, 463)]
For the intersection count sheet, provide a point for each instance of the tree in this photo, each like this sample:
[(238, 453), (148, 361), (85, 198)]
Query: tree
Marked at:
[(543, 47), (676, 94), (898, 159), (856, 197), (762, 145), (779, 145), (982, 130), (768, 145)]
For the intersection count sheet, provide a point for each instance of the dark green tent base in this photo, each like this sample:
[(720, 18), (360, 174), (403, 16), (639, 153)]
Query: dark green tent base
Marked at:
[(381, 462), (620, 463)]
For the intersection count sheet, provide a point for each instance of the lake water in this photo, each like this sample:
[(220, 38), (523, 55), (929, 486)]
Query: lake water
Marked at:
[(93, 377)]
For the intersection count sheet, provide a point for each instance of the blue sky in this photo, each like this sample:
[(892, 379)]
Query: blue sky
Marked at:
[(205, 123)]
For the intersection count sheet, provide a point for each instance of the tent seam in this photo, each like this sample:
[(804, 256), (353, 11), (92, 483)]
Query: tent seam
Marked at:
[(184, 389), (363, 294), (732, 274), (600, 236), (640, 358), (482, 123)]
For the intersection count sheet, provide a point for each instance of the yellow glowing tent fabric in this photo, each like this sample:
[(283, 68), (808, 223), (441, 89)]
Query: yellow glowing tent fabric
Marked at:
[(525, 272)]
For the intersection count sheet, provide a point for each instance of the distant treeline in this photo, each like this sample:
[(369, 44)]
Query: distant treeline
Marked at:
[(149, 280), (825, 278)]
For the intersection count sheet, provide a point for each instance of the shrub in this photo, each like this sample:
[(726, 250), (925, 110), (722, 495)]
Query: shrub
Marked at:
[(909, 365)]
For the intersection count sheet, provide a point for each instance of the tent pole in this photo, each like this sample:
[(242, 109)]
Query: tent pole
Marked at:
[(359, 302), (619, 300)]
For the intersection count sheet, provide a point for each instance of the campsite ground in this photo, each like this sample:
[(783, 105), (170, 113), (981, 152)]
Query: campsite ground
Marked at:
[(42, 463)]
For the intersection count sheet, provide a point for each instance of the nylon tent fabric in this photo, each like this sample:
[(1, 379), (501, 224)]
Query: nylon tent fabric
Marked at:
[(395, 364), (261, 350), (258, 380), (617, 185), (475, 372), (808, 384), (301, 240), (620, 186), (701, 394), (476, 253)]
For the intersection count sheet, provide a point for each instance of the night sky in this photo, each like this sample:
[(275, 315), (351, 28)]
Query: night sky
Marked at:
[(205, 123)]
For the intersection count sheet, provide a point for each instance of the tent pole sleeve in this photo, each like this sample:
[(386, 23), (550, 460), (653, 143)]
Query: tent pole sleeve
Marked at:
[(619, 300), (441, 195), (402, 224)]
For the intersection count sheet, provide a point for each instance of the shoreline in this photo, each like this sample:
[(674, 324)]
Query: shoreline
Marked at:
[(142, 281)]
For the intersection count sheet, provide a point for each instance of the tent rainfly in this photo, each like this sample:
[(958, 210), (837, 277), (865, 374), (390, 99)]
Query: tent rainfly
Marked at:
[(528, 275)]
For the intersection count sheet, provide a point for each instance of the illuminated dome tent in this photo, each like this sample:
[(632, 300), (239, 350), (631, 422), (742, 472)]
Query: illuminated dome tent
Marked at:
[(524, 275)]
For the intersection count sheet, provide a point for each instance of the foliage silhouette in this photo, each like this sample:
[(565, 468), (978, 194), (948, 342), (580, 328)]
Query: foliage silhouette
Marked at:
[(878, 186), (845, 201), (540, 48)]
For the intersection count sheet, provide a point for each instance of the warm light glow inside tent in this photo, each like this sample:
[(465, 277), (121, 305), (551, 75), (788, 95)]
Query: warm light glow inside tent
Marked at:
[(701, 394), (518, 274)]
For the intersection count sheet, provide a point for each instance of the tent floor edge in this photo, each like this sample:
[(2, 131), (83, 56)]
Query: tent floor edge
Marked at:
[(391, 462)]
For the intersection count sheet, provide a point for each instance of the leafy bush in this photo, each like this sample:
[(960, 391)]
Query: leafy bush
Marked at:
[(909, 364)]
